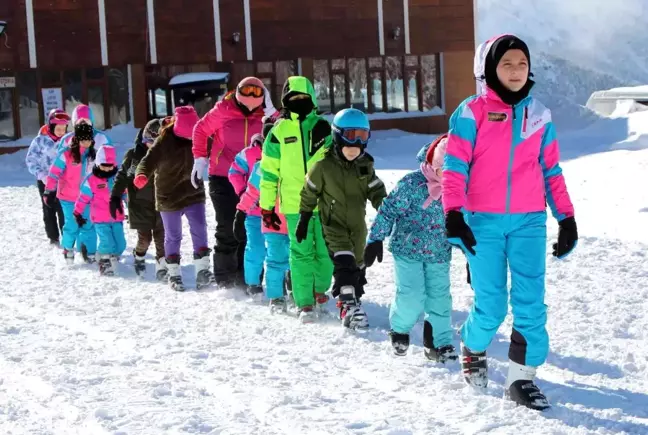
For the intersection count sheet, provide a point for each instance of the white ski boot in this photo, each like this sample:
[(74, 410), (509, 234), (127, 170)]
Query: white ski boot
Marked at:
[(307, 315), (175, 278), (106, 265), (278, 305), (351, 312), (114, 261), (474, 366), (521, 389), (204, 275), (69, 256), (161, 272)]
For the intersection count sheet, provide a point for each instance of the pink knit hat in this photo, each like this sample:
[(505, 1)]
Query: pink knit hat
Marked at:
[(251, 102), (106, 155), (82, 113), (186, 119)]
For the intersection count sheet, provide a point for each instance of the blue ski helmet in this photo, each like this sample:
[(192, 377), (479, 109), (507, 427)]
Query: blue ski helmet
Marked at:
[(351, 128)]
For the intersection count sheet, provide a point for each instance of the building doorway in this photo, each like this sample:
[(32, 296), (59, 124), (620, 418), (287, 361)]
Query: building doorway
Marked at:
[(7, 122)]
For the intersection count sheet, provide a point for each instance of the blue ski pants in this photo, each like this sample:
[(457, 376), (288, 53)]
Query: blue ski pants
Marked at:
[(515, 242), (111, 238), (72, 233), (422, 288), (255, 251), (277, 263)]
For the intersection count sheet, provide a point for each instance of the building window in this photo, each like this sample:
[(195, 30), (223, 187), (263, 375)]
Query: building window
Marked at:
[(72, 89), (119, 101), (283, 70), (7, 131), (378, 84), (27, 84), (96, 103)]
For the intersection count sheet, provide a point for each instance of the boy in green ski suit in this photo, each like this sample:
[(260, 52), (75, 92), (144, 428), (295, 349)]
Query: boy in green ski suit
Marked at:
[(341, 184), (298, 140)]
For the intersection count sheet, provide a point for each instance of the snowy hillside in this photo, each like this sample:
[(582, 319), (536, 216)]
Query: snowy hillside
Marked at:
[(83, 355), (577, 47)]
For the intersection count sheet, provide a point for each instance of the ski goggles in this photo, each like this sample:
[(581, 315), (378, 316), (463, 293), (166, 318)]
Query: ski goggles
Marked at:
[(251, 91), (353, 135), (59, 118)]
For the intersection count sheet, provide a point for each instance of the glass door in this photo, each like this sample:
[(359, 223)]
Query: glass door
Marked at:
[(7, 130)]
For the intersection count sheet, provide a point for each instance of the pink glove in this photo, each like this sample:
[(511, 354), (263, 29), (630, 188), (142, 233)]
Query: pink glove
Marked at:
[(140, 181)]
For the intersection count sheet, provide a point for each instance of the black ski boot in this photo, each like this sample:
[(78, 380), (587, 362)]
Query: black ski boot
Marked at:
[(400, 343), (254, 291), (139, 264), (106, 266), (474, 366), (88, 258), (438, 354), (521, 389)]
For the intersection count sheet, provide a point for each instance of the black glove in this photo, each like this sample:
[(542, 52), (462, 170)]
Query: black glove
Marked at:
[(373, 251), (80, 220), (116, 205), (49, 198), (567, 237), (271, 219), (239, 226), (459, 233), (302, 226), (320, 132)]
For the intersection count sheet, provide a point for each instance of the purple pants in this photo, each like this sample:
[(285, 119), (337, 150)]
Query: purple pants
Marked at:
[(173, 228)]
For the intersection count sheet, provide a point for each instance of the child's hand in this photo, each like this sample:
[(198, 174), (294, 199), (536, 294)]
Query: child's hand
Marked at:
[(271, 219), (140, 181), (567, 238), (49, 198), (80, 220), (459, 233), (115, 206), (302, 227), (372, 252)]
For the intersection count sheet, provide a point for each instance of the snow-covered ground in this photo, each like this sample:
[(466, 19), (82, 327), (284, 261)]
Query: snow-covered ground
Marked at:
[(81, 354)]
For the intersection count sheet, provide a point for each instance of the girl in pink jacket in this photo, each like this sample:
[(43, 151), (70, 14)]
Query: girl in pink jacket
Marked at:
[(72, 164), (501, 170), (95, 192), (231, 123), (263, 244)]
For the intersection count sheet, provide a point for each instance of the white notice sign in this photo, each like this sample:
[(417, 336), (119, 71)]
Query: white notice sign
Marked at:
[(52, 99), (7, 82)]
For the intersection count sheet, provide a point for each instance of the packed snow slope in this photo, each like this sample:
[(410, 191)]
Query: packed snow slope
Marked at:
[(80, 354), (577, 47)]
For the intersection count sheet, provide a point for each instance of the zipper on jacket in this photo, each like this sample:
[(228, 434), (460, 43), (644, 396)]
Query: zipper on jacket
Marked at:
[(301, 132), (328, 221), (245, 144), (509, 177)]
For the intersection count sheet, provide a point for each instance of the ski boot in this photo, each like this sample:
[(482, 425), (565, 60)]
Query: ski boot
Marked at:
[(307, 315), (321, 299), (288, 289), (438, 354), (87, 257), (114, 260), (139, 264), (521, 389), (255, 292), (474, 366), (204, 276), (55, 243), (351, 312), (69, 256), (278, 305), (175, 278), (105, 266), (400, 343), (161, 272)]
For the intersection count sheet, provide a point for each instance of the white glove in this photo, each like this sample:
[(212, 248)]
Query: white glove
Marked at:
[(198, 171), (269, 108)]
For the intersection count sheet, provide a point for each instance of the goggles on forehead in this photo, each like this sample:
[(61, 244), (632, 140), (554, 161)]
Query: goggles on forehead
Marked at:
[(61, 116), (353, 135), (251, 91)]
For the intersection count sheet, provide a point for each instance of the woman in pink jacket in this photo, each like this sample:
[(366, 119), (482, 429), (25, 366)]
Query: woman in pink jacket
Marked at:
[(263, 244), (95, 191), (232, 123), (501, 170)]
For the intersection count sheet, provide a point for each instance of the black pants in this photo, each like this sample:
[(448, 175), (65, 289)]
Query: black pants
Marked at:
[(145, 237), (347, 273), (228, 253), (52, 216)]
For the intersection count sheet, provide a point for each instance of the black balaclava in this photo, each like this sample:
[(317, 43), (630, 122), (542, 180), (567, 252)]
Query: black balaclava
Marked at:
[(105, 174), (300, 106), (83, 131), (495, 54)]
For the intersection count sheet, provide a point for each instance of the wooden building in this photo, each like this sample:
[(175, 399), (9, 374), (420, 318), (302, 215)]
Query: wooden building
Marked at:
[(408, 63)]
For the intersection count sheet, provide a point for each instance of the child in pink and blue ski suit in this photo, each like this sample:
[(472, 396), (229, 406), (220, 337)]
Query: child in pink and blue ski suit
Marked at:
[(72, 164), (412, 216), (95, 192), (501, 170)]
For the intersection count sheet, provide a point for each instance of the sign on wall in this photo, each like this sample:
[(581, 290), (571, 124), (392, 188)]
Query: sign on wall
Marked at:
[(52, 99), (7, 82)]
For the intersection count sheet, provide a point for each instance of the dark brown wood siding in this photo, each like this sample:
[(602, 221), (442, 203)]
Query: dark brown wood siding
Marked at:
[(441, 25), (317, 29), (185, 31), (393, 18), (67, 33), (126, 28), (232, 20), (16, 55)]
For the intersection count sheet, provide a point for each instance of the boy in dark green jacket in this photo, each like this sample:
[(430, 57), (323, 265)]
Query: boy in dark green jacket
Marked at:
[(340, 186)]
